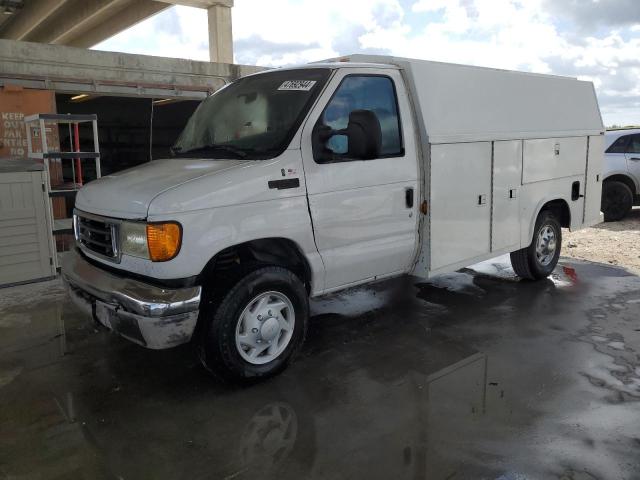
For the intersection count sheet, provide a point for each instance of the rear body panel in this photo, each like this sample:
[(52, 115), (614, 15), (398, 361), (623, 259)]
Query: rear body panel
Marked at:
[(463, 114)]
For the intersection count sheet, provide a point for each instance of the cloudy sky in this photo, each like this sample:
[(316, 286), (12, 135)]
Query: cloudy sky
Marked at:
[(598, 40)]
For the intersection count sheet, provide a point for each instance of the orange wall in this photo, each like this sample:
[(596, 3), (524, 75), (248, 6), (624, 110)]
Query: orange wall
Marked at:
[(15, 104)]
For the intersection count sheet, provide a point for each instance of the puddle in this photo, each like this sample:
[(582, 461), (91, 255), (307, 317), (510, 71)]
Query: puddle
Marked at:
[(471, 375)]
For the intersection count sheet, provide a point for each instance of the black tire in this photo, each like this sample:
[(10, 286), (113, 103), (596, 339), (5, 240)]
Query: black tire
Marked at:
[(617, 200), (525, 261), (217, 344)]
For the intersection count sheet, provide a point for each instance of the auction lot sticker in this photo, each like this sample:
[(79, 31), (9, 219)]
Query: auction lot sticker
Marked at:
[(298, 85)]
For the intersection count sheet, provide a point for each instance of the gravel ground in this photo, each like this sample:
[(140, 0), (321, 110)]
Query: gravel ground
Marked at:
[(616, 243)]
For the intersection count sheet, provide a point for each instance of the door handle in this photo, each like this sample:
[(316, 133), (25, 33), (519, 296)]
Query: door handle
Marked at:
[(635, 158), (575, 191), (408, 197)]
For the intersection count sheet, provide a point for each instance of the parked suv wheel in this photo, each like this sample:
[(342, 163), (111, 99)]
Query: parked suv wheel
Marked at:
[(617, 200), (538, 260), (257, 328)]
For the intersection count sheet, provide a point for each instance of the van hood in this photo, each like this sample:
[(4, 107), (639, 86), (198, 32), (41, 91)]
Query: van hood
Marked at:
[(129, 193)]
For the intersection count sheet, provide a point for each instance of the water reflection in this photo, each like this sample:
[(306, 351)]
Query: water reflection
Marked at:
[(406, 380), (374, 394), (404, 431), (290, 428), (269, 437)]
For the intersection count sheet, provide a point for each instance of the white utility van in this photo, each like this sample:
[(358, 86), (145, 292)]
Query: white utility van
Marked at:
[(302, 181)]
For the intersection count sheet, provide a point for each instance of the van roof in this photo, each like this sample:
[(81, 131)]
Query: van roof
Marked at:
[(382, 61), (465, 103), (337, 64), (331, 65)]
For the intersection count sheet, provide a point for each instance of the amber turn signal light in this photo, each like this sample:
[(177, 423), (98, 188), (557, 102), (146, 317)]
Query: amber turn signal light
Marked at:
[(163, 240)]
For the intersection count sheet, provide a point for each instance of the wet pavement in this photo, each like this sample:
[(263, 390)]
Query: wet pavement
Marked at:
[(474, 375)]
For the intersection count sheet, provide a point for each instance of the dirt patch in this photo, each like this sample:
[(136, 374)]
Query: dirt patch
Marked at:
[(616, 243)]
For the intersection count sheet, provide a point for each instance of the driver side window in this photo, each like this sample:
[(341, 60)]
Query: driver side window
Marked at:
[(363, 92)]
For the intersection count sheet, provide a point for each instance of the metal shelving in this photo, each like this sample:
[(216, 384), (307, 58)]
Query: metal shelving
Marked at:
[(63, 189)]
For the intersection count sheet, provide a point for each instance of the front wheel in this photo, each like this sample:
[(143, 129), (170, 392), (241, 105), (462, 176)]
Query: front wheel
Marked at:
[(257, 328), (538, 260)]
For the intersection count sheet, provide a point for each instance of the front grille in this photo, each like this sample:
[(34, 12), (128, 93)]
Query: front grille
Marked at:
[(97, 235)]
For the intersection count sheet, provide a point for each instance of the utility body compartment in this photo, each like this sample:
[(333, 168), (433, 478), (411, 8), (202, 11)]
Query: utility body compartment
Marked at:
[(549, 158), (496, 146)]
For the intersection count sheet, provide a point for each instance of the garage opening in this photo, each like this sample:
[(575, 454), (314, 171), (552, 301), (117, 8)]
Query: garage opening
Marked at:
[(131, 130)]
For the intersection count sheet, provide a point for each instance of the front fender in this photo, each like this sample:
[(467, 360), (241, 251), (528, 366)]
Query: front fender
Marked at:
[(208, 232)]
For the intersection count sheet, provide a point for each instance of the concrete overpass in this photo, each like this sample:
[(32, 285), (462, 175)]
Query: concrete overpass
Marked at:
[(80, 71), (85, 23)]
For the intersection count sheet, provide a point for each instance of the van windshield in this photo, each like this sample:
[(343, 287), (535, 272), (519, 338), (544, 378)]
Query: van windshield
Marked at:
[(255, 117)]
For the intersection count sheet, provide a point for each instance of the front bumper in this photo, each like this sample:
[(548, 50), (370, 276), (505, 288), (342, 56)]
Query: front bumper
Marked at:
[(151, 316)]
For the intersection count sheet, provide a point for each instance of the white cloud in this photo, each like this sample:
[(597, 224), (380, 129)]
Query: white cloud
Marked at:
[(179, 32), (309, 22), (456, 16), (495, 33)]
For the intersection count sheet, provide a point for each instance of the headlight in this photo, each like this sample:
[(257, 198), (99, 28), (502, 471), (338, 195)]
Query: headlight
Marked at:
[(133, 239), (158, 242)]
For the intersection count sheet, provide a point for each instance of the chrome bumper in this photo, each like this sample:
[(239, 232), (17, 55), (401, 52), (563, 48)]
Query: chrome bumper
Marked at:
[(151, 316)]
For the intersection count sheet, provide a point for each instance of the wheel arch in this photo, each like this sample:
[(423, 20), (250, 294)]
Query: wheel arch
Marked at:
[(558, 206), (623, 178), (239, 259), (560, 209)]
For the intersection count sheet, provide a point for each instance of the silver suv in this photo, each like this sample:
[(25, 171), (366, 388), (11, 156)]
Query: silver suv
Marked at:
[(621, 173)]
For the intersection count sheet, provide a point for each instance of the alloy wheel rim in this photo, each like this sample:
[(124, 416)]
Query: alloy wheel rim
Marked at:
[(546, 245), (265, 327)]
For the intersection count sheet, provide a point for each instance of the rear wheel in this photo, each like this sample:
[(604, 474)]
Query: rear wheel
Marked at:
[(617, 200), (257, 328), (538, 260)]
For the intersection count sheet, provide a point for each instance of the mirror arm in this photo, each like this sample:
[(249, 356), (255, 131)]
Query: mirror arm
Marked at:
[(325, 135), (322, 135)]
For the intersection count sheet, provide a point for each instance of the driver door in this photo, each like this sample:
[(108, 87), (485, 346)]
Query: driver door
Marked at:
[(633, 157), (364, 212)]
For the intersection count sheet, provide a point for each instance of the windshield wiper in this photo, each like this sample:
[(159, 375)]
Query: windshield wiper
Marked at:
[(238, 152)]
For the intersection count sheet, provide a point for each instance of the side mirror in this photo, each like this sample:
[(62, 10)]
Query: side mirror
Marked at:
[(363, 133)]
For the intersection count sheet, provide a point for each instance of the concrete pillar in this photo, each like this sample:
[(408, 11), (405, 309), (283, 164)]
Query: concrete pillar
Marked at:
[(220, 34)]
